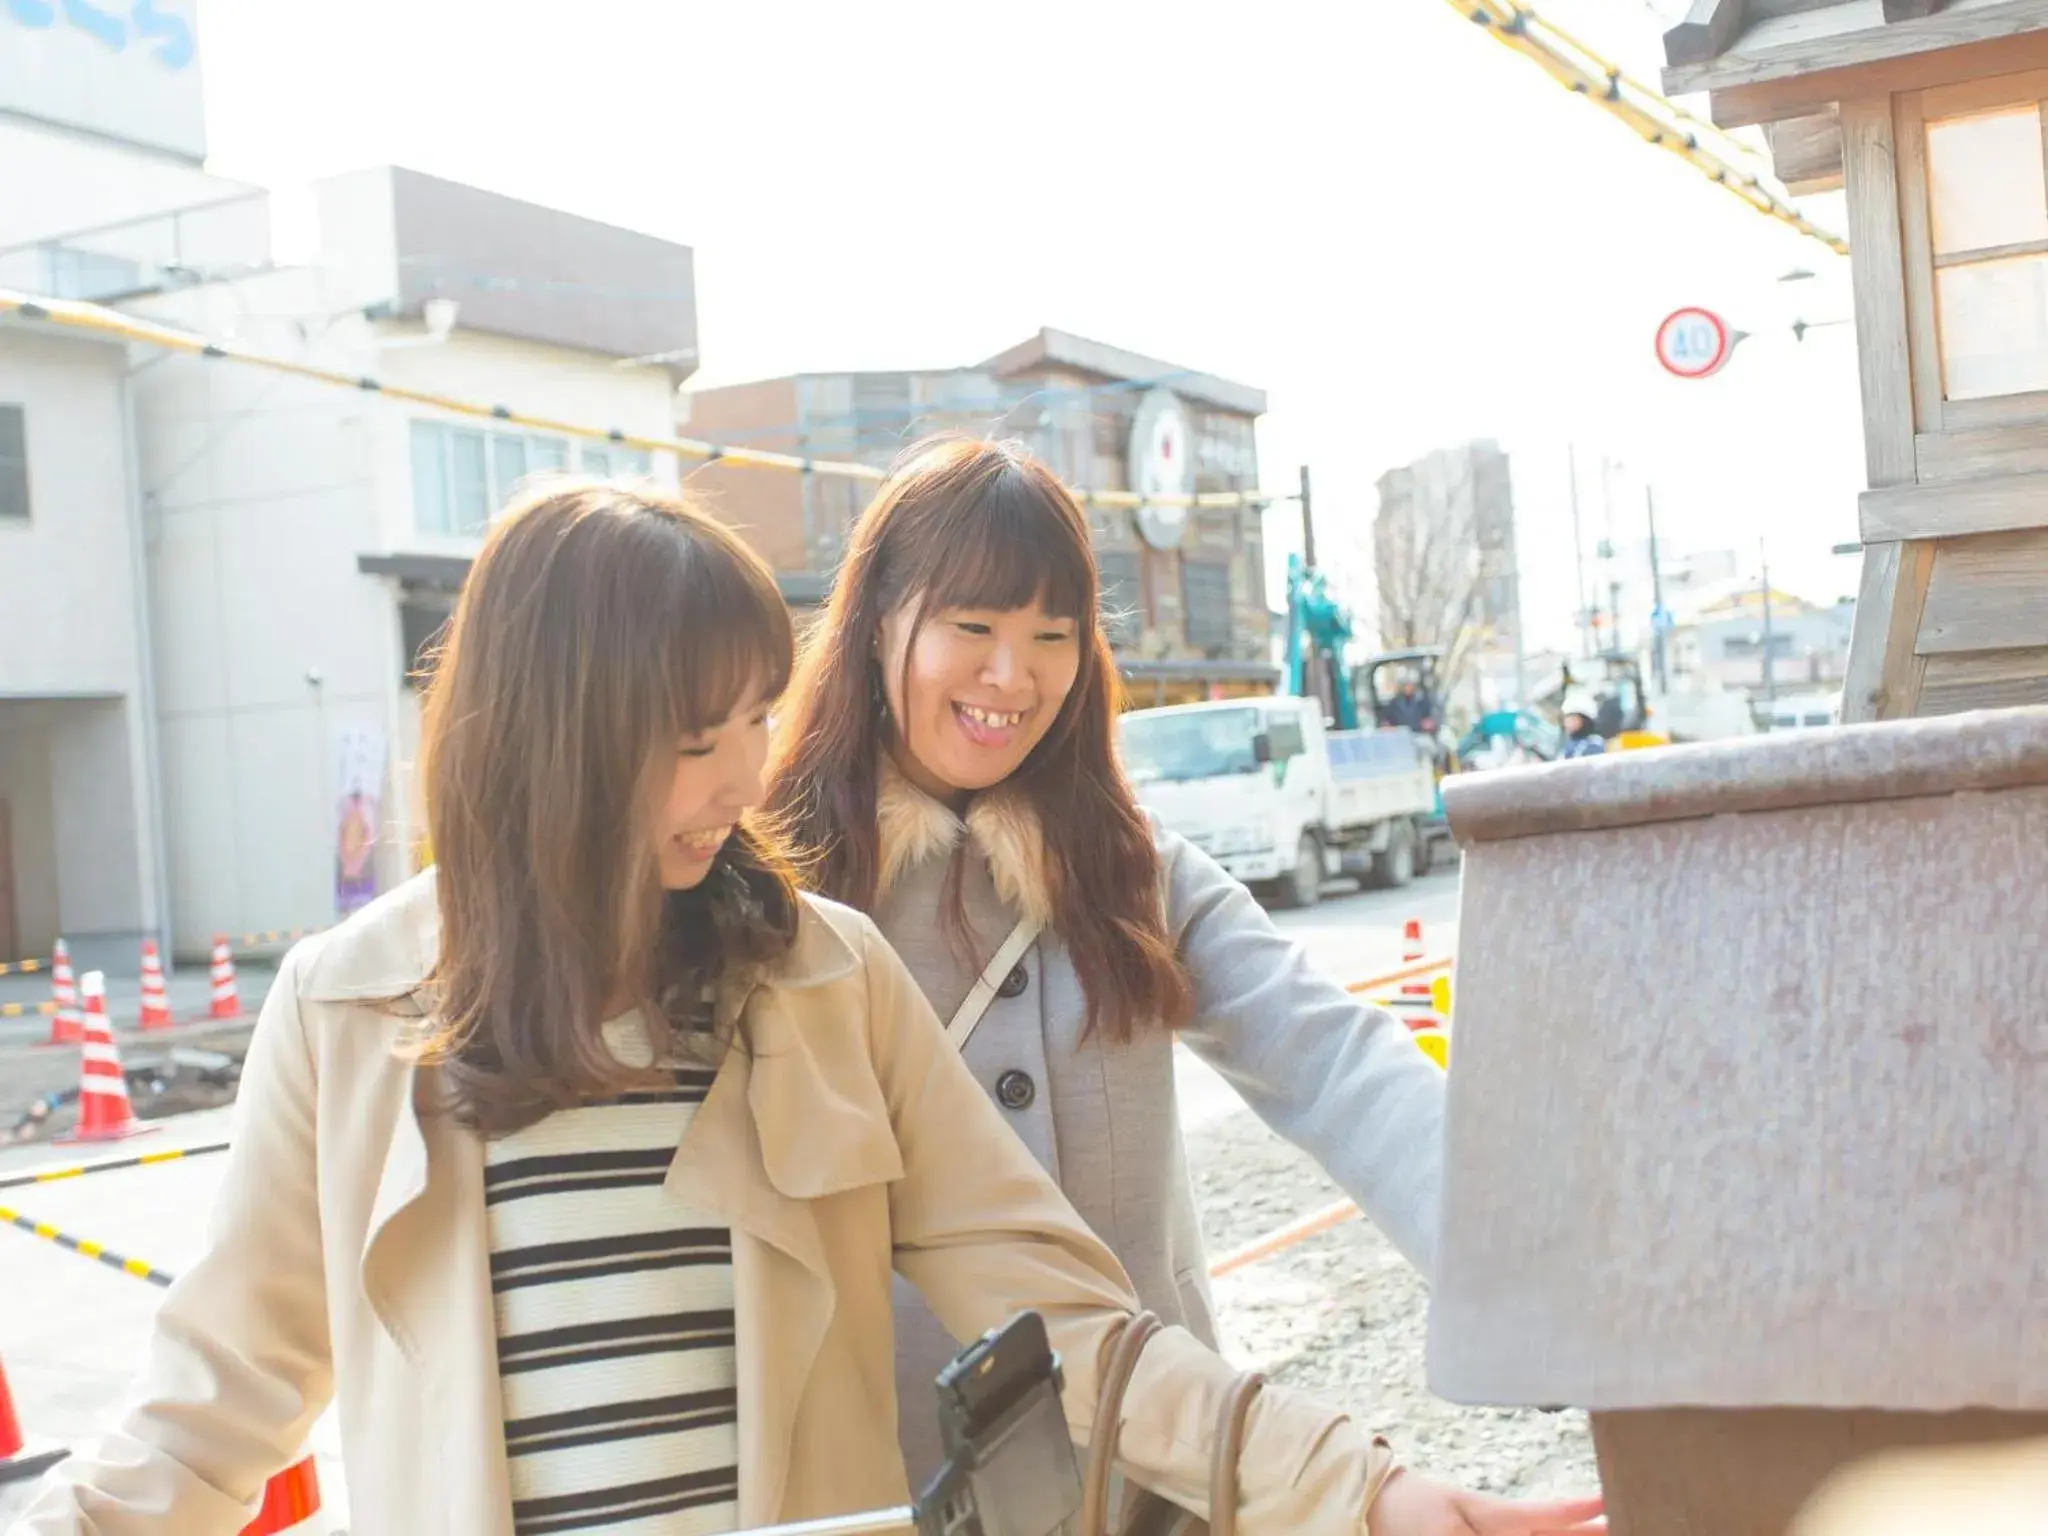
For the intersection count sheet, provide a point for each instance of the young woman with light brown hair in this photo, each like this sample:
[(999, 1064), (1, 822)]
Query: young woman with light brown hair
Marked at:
[(576, 1170), (946, 762)]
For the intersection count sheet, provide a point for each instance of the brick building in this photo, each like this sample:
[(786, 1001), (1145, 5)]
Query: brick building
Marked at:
[(1186, 591)]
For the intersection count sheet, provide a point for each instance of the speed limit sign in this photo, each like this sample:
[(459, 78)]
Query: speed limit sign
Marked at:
[(1694, 343)]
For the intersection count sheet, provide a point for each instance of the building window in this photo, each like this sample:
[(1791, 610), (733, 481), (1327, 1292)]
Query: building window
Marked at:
[(1283, 735), (462, 475), (1987, 187), (70, 273), (1749, 647), (614, 461), (424, 622), (1205, 602), (1122, 601), (13, 462)]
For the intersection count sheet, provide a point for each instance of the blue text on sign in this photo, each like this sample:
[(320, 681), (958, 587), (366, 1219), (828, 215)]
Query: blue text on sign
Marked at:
[(146, 23)]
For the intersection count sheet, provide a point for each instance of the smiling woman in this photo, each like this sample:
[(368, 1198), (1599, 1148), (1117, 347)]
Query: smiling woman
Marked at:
[(988, 682), (946, 760), (960, 650), (578, 1168)]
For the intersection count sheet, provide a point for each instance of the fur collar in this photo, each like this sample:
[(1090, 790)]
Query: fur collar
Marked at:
[(914, 827)]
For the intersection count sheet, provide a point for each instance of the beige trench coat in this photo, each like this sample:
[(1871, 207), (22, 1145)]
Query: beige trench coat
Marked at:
[(348, 1259)]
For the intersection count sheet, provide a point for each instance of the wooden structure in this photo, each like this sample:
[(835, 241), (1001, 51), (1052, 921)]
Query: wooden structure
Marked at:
[(1930, 113), (1745, 1147)]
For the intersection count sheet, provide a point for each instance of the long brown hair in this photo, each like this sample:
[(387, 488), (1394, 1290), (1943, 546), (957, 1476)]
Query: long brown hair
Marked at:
[(962, 523), (599, 625)]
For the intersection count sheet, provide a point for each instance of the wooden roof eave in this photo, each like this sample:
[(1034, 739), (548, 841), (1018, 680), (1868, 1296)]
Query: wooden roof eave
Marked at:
[(1770, 67)]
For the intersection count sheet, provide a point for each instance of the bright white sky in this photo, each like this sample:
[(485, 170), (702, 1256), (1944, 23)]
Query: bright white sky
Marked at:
[(1404, 232)]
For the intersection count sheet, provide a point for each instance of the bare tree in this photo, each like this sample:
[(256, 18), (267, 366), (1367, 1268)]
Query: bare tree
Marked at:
[(1438, 577)]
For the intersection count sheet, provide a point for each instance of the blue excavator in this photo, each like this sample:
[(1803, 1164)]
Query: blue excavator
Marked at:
[(1369, 694)]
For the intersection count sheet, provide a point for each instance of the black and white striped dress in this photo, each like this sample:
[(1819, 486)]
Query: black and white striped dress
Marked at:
[(615, 1319)]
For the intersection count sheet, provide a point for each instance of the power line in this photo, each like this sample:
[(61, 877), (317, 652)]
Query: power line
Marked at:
[(98, 319), (1659, 121)]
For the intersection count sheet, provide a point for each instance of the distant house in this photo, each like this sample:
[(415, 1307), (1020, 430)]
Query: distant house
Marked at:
[(1185, 589), (1726, 640)]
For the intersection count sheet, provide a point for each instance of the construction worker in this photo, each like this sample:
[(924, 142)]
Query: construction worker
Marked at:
[(1581, 739), (1411, 708)]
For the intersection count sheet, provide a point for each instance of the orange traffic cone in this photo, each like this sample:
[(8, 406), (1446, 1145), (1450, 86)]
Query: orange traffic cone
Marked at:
[(156, 1003), (66, 1027), (290, 1501), (21, 1458), (1414, 1000), (104, 1113), (227, 1002)]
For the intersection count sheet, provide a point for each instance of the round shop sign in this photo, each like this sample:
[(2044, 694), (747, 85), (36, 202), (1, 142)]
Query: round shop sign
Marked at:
[(1162, 463), (1694, 343)]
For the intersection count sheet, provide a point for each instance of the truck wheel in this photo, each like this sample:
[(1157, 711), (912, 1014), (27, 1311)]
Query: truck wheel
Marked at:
[(1394, 865), (1303, 885)]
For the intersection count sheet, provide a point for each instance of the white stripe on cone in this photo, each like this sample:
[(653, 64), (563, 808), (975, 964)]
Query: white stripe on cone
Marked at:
[(67, 1025), (104, 1111), (156, 1004), (227, 1001)]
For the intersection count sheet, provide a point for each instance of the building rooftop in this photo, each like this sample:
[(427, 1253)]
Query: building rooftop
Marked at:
[(521, 270), (1724, 44), (1064, 349)]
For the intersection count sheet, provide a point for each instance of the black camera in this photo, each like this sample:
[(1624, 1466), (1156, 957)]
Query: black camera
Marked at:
[(1010, 1467)]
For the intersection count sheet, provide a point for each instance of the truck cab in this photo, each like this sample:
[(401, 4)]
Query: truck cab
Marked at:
[(1278, 800)]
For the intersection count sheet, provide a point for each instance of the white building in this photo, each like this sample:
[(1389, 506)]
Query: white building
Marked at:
[(300, 541), (79, 825), (1726, 641), (101, 133)]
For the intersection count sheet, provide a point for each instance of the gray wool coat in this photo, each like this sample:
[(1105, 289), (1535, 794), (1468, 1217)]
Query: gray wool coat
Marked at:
[(1339, 1079)]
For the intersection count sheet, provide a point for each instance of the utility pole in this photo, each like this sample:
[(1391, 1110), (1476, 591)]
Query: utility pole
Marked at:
[(1657, 616), (1606, 553), (1579, 557), (1308, 524), (1311, 654), (1521, 649), (1770, 679)]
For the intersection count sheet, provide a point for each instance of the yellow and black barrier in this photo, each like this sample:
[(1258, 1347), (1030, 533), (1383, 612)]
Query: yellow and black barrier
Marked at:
[(23, 967), (108, 1165), (100, 320), (85, 1247), (269, 936)]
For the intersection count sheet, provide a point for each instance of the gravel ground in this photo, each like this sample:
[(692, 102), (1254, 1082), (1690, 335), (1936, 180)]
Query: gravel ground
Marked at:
[(1342, 1315)]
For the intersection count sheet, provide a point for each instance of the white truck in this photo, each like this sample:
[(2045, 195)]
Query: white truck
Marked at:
[(1278, 800)]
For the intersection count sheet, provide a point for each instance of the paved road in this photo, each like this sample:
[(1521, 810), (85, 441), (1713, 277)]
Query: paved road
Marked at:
[(71, 1331)]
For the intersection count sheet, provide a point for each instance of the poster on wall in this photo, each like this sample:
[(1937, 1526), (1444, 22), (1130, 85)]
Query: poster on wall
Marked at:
[(358, 778)]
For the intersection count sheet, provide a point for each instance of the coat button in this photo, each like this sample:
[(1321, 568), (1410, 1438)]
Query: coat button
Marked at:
[(1015, 1090), (1014, 983)]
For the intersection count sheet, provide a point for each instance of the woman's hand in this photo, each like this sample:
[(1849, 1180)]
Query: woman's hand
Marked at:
[(1413, 1505)]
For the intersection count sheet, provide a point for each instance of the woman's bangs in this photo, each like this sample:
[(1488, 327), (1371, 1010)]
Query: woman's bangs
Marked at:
[(1015, 548), (728, 643)]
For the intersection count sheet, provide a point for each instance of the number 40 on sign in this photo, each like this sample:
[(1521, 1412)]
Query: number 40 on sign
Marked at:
[(1694, 343)]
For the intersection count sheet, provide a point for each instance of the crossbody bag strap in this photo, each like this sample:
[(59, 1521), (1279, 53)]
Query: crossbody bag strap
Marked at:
[(975, 1004)]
